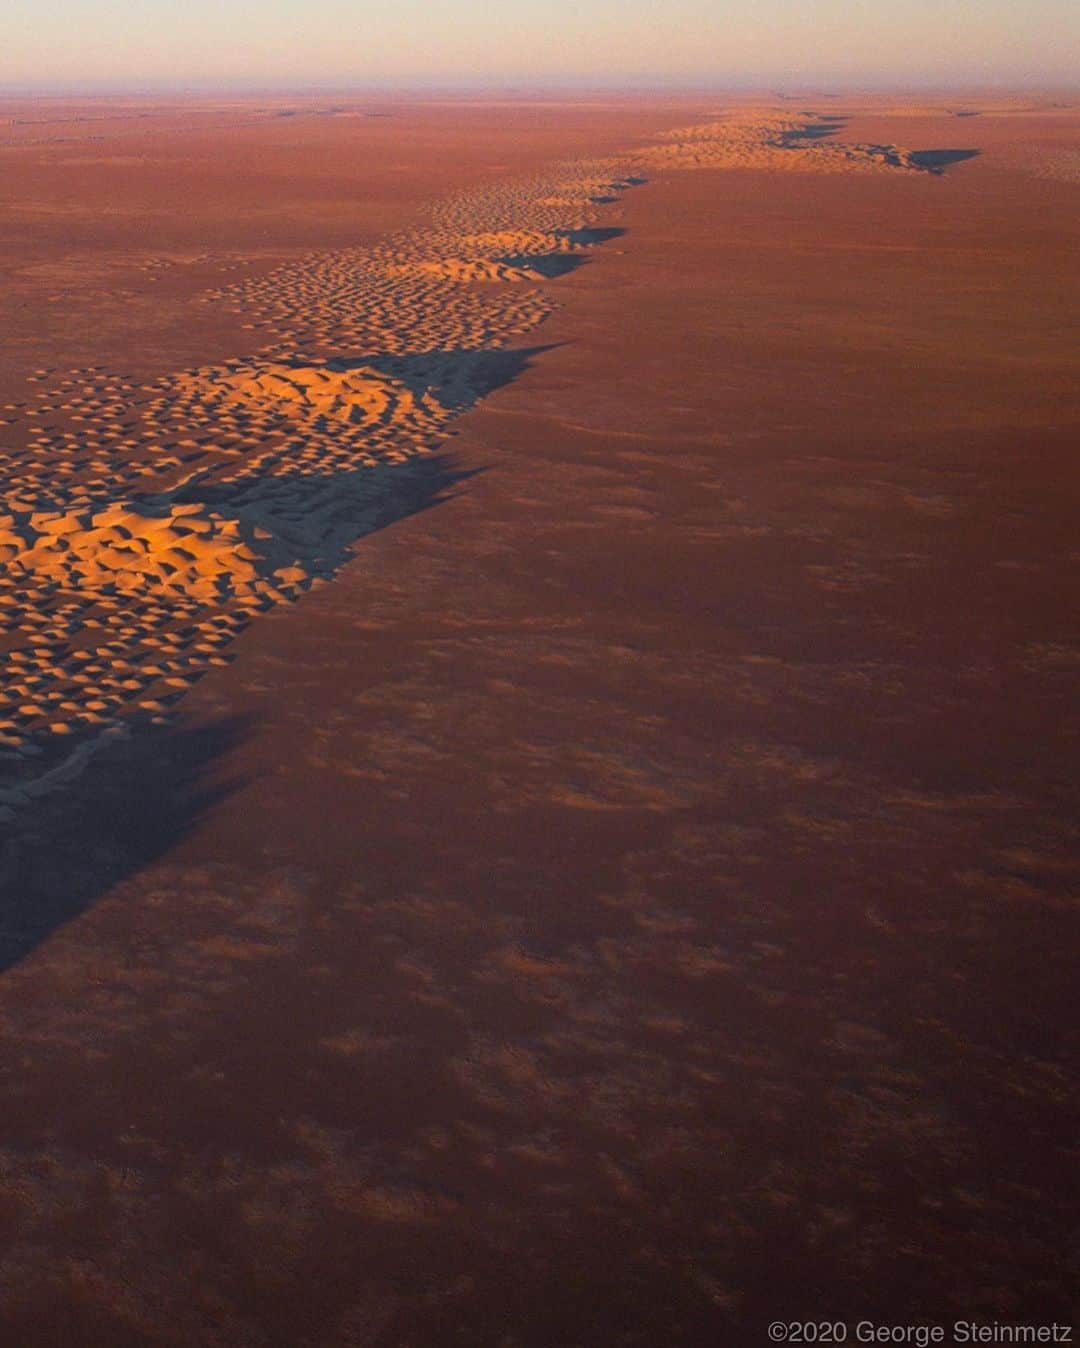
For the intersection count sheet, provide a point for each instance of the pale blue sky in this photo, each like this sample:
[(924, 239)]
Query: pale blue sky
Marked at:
[(480, 43)]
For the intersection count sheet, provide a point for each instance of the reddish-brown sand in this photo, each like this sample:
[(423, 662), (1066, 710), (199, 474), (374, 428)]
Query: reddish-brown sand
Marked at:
[(630, 902)]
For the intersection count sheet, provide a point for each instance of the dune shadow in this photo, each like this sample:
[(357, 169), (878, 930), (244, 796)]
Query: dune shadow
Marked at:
[(609, 194), (549, 265), (135, 799), (936, 161), (459, 378), (813, 131), (318, 518), (456, 377), (587, 237)]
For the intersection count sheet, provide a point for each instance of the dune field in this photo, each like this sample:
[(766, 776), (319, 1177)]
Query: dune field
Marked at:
[(537, 718), (144, 525)]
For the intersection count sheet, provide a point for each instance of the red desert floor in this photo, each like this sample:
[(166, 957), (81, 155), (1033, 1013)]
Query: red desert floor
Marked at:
[(629, 904)]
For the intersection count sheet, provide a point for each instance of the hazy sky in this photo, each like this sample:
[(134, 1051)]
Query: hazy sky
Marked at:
[(148, 43)]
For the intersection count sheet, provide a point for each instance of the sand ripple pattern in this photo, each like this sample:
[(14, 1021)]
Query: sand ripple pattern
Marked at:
[(143, 526)]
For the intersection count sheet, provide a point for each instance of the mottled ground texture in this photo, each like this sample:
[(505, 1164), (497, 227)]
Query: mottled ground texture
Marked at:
[(538, 720)]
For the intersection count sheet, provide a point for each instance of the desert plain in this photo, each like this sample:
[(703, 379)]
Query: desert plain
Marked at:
[(538, 714)]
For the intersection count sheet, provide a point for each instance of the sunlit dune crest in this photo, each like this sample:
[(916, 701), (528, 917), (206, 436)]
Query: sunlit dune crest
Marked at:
[(361, 395)]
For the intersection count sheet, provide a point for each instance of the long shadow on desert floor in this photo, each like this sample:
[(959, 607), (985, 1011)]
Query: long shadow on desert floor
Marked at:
[(817, 130), (585, 238), (328, 513), (937, 160), (135, 800), (550, 265)]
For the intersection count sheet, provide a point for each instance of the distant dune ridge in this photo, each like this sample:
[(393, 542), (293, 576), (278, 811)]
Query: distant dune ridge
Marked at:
[(143, 526), (746, 140)]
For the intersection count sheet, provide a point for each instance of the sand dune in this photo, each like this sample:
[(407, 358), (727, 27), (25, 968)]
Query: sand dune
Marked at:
[(144, 526), (747, 140)]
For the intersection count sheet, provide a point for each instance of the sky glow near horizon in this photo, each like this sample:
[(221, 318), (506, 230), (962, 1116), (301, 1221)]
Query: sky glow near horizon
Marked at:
[(146, 44)]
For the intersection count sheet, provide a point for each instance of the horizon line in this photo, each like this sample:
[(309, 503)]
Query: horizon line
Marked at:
[(775, 88)]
